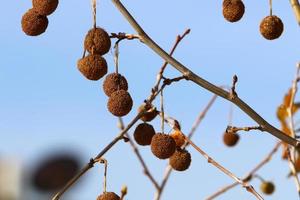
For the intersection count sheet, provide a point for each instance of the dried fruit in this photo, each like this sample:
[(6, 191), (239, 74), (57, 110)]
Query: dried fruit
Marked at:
[(230, 139), (97, 41), (143, 134), (33, 23), (114, 82), (93, 66), (120, 103), (271, 27), (108, 196), (44, 7), (149, 115), (163, 146), (233, 10), (180, 160), (178, 137), (267, 187)]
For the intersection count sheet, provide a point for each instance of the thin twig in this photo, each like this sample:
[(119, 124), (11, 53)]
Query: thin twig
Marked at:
[(210, 160), (162, 69), (233, 129), (291, 150), (202, 82), (250, 175), (222, 191), (139, 156), (296, 8), (233, 93)]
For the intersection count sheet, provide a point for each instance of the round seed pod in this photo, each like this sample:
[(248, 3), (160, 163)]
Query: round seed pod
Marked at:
[(163, 146), (180, 160), (149, 115), (143, 134), (33, 23), (267, 187), (93, 66), (44, 7), (230, 139), (114, 82), (178, 137), (233, 10), (97, 41), (120, 103), (108, 196), (271, 27)]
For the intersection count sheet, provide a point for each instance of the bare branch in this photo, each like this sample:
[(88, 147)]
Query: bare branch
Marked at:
[(210, 160), (202, 82)]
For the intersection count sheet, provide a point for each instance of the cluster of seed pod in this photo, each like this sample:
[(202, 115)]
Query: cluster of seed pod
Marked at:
[(271, 27), (34, 21), (163, 146), (94, 66)]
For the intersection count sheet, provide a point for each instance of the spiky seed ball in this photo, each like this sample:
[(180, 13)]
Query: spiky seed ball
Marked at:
[(230, 139), (143, 134), (180, 160), (233, 10), (267, 187), (114, 82), (271, 27), (120, 103), (149, 115), (33, 23), (93, 66), (108, 196), (44, 7), (178, 137), (163, 146), (97, 41)]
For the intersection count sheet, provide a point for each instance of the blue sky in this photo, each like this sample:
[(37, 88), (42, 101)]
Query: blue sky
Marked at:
[(47, 105)]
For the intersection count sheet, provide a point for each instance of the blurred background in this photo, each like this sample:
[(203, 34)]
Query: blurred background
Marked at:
[(53, 120)]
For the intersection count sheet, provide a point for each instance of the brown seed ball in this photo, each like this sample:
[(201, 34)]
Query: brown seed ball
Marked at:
[(108, 196), (93, 67), (143, 134), (120, 103), (180, 160), (267, 187), (233, 10), (271, 27), (114, 82), (230, 139), (178, 137), (163, 146), (149, 115), (97, 41), (34, 24), (44, 7)]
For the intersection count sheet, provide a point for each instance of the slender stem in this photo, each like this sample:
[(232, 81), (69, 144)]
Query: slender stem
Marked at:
[(139, 156), (202, 82), (271, 7), (162, 111), (222, 191), (292, 151), (296, 8), (94, 7), (249, 176), (210, 160)]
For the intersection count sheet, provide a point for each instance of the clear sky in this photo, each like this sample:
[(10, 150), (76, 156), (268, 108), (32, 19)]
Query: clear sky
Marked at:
[(47, 105)]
